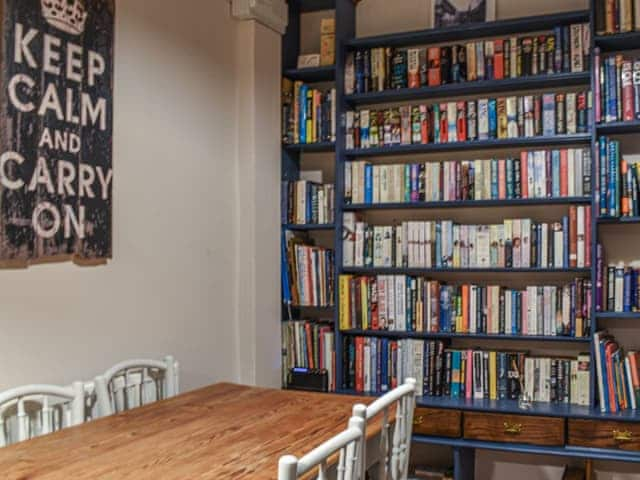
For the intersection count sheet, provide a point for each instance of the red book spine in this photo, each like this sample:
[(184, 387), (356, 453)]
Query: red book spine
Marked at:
[(461, 121), (502, 180), (524, 182), (374, 303), (587, 235), (393, 365), (433, 61), (424, 124), (307, 331), (498, 59), (468, 386), (444, 124), (564, 181), (359, 364), (624, 197), (627, 92), (573, 236), (609, 350)]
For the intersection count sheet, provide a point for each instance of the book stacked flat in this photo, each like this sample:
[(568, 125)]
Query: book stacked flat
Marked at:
[(511, 117), (305, 202), (308, 114), (536, 174), (515, 243), (385, 68), (417, 304), (308, 345)]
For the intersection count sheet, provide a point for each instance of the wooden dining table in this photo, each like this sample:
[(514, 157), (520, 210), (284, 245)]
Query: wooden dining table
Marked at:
[(223, 431)]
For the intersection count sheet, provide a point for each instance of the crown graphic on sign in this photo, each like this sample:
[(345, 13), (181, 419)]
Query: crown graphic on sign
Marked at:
[(66, 15)]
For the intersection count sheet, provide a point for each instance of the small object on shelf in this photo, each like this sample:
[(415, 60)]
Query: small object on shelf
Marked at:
[(309, 60), (309, 379)]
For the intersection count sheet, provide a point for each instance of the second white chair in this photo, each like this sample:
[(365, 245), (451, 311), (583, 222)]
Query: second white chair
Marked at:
[(393, 456), (134, 383)]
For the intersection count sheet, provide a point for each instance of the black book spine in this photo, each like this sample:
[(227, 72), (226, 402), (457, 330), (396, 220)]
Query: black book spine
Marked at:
[(485, 374), (502, 312), (447, 374), (366, 66), (553, 382)]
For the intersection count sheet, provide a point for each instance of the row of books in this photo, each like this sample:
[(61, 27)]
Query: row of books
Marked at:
[(483, 119), (384, 68), (617, 88), (617, 16), (618, 286), (417, 304), (516, 243), (617, 374), (308, 344), (308, 114), (536, 174), (617, 192), (307, 202), (376, 365), (308, 273)]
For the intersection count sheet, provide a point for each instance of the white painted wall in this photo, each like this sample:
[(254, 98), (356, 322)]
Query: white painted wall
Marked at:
[(180, 207)]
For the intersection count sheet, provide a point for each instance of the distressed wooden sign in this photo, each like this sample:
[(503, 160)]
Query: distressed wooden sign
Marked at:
[(56, 130)]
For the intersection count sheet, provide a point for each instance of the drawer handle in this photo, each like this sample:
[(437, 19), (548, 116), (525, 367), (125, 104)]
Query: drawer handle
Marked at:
[(622, 435), (418, 420), (512, 428)]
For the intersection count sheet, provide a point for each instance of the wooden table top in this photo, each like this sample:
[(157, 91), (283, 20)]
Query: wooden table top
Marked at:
[(223, 431)]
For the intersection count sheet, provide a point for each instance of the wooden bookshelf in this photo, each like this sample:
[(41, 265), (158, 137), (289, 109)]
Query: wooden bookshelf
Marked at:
[(464, 448)]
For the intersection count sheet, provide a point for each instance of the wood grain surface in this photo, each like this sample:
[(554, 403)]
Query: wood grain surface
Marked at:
[(604, 434), (514, 428), (223, 431), (437, 421)]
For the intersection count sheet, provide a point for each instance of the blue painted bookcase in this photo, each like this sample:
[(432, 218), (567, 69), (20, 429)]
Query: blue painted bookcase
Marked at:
[(464, 448)]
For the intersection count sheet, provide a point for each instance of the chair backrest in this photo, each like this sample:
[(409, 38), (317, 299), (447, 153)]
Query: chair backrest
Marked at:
[(393, 448), (349, 444), (134, 383), (33, 410)]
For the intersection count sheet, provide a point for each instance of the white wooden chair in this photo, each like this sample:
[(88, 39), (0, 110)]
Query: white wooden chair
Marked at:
[(33, 410), (392, 456), (348, 443), (134, 383)]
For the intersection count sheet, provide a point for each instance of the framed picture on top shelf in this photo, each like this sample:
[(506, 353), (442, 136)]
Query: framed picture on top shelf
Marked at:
[(450, 13)]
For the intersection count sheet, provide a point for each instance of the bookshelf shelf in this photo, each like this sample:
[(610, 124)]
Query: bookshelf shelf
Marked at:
[(423, 271), (618, 41), (308, 226), (614, 315), (479, 336), (470, 31), (468, 203), (618, 128), (618, 220), (542, 141), (306, 6), (310, 147), (471, 88), (311, 74)]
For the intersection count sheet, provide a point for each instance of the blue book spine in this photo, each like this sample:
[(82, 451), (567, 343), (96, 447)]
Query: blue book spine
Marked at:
[(384, 375), (408, 317), (612, 90), (514, 312), (455, 367), (493, 118), (612, 192), (502, 375), (438, 244), (374, 364), (436, 123), (626, 299), (415, 185), (604, 402), (302, 107), (445, 305), (494, 178), (603, 165), (509, 175), (539, 246), (565, 241), (555, 173), (572, 314), (309, 193), (368, 183), (408, 183)]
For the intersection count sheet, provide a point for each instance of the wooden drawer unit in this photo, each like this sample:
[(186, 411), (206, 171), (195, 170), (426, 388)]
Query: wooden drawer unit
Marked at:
[(493, 427), (604, 434), (439, 422)]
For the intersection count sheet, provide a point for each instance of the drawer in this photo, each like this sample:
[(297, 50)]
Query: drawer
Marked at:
[(604, 434), (440, 422), (493, 427)]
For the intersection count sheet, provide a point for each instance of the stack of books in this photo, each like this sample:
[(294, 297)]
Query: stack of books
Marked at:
[(484, 119), (617, 88), (617, 192), (308, 345), (308, 114), (378, 69), (536, 174), (417, 304), (376, 365), (515, 243), (617, 374), (308, 273), (305, 202)]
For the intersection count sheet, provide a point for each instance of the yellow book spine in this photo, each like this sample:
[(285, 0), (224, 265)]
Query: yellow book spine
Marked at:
[(364, 295), (493, 374), (345, 321)]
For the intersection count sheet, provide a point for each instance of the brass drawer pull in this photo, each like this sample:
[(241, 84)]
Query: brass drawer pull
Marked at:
[(512, 428), (418, 420), (622, 435)]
